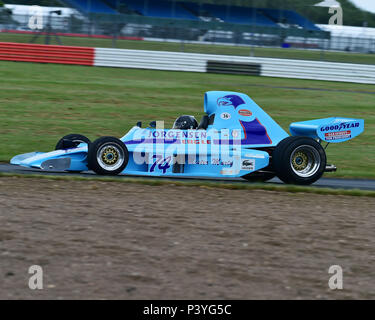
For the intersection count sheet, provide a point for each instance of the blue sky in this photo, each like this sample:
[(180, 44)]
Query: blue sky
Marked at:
[(368, 5)]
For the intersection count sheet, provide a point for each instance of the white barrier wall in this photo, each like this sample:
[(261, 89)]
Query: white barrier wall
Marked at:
[(145, 59), (286, 68)]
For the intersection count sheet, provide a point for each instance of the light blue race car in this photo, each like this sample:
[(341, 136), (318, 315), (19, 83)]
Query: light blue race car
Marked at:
[(235, 138)]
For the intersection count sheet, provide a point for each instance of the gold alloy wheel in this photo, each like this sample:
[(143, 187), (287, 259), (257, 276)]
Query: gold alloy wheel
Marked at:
[(305, 161), (300, 161), (109, 156)]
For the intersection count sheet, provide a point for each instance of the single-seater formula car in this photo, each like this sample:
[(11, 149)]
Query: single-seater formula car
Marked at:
[(235, 138)]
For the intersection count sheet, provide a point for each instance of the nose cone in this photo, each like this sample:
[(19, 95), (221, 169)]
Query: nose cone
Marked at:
[(23, 159)]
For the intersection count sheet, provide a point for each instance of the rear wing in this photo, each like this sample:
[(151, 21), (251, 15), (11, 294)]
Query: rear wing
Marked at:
[(330, 129)]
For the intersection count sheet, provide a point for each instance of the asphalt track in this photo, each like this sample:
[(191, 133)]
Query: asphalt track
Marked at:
[(334, 183)]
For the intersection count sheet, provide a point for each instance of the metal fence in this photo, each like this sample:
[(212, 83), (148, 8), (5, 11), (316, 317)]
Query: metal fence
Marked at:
[(165, 28), (363, 44), (123, 25)]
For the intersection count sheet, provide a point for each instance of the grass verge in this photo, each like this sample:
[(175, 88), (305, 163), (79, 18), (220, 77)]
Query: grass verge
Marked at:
[(40, 103)]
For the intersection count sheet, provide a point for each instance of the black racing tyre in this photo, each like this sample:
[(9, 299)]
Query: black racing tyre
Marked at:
[(259, 176), (107, 156), (299, 160), (71, 141)]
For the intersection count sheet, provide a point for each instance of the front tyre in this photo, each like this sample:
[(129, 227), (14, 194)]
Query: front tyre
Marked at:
[(107, 156), (71, 141), (299, 160)]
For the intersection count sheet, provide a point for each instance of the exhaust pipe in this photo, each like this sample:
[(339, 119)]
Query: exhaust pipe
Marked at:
[(330, 168)]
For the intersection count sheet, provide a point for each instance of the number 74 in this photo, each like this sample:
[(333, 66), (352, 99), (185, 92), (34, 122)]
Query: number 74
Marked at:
[(163, 163)]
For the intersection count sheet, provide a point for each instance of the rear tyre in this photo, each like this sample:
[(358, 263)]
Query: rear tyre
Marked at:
[(107, 156), (299, 160), (71, 141)]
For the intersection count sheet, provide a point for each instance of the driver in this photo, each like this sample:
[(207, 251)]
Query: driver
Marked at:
[(185, 123)]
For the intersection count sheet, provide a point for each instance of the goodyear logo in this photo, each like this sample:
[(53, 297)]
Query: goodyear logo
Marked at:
[(341, 126)]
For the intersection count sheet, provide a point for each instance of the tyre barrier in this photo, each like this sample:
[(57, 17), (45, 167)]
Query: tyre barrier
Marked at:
[(46, 53)]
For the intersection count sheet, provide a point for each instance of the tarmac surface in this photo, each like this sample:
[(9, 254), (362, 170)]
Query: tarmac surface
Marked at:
[(335, 183)]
